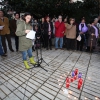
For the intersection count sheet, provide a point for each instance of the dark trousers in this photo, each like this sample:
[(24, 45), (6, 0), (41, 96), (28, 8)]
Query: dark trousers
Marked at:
[(17, 42), (64, 41), (80, 45), (48, 41), (43, 39), (70, 44), (3, 39)]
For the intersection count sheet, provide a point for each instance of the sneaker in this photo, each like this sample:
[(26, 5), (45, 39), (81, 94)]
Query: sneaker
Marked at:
[(4, 55), (46, 48), (62, 48), (50, 48), (12, 50)]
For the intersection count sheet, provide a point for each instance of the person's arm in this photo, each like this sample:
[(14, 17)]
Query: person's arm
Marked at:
[(69, 26), (11, 25), (64, 28), (20, 31), (51, 28), (57, 24), (7, 21), (45, 28)]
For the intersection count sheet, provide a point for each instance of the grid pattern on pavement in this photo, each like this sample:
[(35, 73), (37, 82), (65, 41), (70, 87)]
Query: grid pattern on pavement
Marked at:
[(42, 85)]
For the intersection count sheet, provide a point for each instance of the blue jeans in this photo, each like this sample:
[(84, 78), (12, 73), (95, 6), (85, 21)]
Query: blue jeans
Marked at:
[(61, 42), (24, 54), (1, 50)]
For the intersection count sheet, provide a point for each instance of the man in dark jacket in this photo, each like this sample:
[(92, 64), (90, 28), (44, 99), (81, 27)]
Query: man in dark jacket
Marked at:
[(13, 26)]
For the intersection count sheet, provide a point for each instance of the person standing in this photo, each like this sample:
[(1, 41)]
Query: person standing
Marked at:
[(64, 38), (84, 35), (25, 44), (59, 32), (5, 32), (93, 35), (48, 31), (70, 34), (42, 31), (13, 26)]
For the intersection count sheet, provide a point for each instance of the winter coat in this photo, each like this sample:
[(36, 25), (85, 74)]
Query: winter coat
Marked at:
[(59, 29), (70, 31), (46, 27), (92, 39), (5, 23), (24, 43)]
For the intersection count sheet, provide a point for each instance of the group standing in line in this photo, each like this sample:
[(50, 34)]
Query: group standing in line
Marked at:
[(68, 34)]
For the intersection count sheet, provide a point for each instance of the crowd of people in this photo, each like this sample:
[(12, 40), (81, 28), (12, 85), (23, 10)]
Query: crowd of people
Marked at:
[(67, 34)]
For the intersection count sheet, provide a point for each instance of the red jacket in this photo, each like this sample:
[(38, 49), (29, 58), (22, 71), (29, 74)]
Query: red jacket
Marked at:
[(59, 29)]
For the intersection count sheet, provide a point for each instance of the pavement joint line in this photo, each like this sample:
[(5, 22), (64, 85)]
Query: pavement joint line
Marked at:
[(50, 75), (68, 74), (57, 70), (85, 77)]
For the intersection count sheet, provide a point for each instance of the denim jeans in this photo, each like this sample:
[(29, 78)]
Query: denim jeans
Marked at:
[(61, 42), (24, 54), (1, 50)]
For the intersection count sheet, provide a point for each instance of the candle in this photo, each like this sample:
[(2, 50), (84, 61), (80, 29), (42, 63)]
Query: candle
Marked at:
[(75, 77), (80, 81), (96, 98), (73, 74), (76, 71), (72, 79), (80, 75), (79, 86), (67, 80), (67, 85)]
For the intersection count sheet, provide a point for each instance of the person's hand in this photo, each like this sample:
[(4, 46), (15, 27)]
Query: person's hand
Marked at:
[(27, 31), (63, 32), (81, 32), (1, 29), (92, 34), (49, 33), (38, 37)]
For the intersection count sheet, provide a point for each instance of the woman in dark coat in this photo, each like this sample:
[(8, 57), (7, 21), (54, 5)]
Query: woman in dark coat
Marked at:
[(80, 44), (48, 31), (93, 35)]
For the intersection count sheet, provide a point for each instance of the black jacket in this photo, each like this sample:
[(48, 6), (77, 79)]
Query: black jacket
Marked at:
[(46, 26)]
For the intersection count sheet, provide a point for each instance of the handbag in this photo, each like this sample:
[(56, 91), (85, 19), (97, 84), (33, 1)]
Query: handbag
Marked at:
[(79, 38)]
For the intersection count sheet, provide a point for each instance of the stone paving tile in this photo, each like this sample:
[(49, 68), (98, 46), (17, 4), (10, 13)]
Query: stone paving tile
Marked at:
[(16, 82)]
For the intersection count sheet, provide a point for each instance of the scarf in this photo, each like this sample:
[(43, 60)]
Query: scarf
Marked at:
[(80, 27), (49, 29), (96, 31)]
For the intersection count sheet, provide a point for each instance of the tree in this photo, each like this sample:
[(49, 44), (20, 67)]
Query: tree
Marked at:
[(41, 8)]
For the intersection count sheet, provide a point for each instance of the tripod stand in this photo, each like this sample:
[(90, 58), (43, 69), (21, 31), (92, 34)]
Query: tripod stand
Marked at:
[(39, 60)]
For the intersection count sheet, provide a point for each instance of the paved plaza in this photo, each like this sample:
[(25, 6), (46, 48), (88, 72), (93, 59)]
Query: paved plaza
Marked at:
[(17, 83)]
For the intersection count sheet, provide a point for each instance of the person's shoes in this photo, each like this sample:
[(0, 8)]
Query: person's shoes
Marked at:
[(26, 65), (4, 55), (12, 50), (32, 61), (56, 48), (16, 50), (62, 48), (46, 48), (50, 48)]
